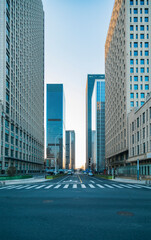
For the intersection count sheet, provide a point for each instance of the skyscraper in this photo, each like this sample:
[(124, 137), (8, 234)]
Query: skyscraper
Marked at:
[(98, 125), (89, 91), (127, 63), (55, 125), (70, 149), (22, 85)]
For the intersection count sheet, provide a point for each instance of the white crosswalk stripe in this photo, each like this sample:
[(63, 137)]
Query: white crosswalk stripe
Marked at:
[(58, 186), (109, 186), (83, 186), (74, 185), (99, 185), (10, 187), (116, 186), (134, 186), (18, 188), (144, 186), (48, 187), (125, 186), (40, 187), (31, 187), (91, 186), (66, 186)]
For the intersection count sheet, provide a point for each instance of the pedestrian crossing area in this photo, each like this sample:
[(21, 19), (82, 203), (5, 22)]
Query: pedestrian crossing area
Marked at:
[(74, 186)]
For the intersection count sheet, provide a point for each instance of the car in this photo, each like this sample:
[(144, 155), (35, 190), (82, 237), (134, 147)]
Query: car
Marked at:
[(69, 172), (90, 174)]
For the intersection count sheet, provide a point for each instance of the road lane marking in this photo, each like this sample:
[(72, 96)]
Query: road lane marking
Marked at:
[(74, 185), (100, 186), (22, 187), (80, 179), (134, 186), (116, 186), (66, 186), (92, 181), (63, 179), (109, 186), (10, 187), (48, 187), (83, 186), (32, 186), (40, 187), (124, 186), (91, 186), (58, 186), (144, 186)]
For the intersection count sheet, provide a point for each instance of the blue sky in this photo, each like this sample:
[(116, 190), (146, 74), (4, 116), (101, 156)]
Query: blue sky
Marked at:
[(75, 34)]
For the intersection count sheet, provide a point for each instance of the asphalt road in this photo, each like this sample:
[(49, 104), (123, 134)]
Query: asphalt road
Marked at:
[(75, 207)]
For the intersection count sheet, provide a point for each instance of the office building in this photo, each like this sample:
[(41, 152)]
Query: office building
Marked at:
[(91, 78), (22, 85), (70, 150), (139, 132), (98, 125), (55, 126), (127, 64)]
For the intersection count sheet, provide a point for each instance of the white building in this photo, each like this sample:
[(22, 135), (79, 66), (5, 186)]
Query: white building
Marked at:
[(22, 84), (127, 65)]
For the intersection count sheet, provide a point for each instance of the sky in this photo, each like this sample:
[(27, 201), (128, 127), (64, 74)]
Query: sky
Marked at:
[(75, 34)]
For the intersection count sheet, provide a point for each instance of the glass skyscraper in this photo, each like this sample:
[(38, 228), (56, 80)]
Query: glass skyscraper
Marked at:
[(55, 125), (91, 78), (70, 149), (21, 85), (98, 125)]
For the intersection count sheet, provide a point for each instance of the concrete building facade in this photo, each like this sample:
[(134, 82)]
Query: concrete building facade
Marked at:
[(21, 85), (127, 64)]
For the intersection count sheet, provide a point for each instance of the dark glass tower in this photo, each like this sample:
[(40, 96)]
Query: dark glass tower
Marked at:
[(89, 91), (55, 126)]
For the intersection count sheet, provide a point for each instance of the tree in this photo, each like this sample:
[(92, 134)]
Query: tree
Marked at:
[(11, 171)]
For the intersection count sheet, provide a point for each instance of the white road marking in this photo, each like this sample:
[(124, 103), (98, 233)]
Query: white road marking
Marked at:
[(92, 181), (66, 186), (100, 186), (58, 186), (48, 187), (31, 186), (22, 187), (144, 186), (83, 186), (134, 186), (98, 179), (10, 187), (116, 186), (63, 179), (109, 186), (74, 185), (125, 186), (40, 187), (91, 186)]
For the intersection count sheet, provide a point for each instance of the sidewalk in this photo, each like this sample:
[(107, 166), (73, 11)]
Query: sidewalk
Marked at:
[(124, 180), (24, 181)]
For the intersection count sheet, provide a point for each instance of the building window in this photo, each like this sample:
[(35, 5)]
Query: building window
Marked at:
[(146, 11), (131, 2), (131, 70), (135, 44), (137, 149), (142, 70), (142, 27), (146, 19), (141, 36), (146, 53), (131, 28), (142, 61), (143, 147), (137, 136), (131, 36), (135, 86), (135, 78), (132, 95), (146, 86), (141, 2), (135, 19), (136, 53), (135, 10), (142, 95), (138, 122), (136, 95), (131, 61), (6, 137), (142, 103), (132, 104), (146, 44)]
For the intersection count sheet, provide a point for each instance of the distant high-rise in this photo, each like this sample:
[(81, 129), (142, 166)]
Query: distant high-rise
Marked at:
[(55, 125), (70, 149), (98, 125), (127, 66), (89, 91), (21, 85)]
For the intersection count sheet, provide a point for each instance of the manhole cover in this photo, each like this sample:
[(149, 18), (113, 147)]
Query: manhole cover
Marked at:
[(124, 213)]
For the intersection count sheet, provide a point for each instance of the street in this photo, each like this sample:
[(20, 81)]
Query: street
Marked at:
[(75, 207)]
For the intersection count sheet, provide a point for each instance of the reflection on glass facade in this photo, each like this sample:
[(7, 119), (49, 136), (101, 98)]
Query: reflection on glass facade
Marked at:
[(98, 124), (55, 125), (70, 149), (89, 91)]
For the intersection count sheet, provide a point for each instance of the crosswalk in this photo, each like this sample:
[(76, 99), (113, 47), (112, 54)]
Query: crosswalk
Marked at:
[(75, 186)]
